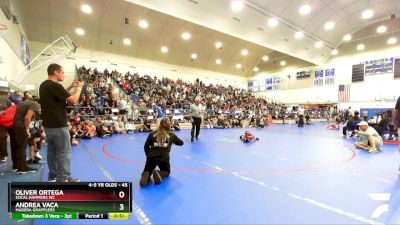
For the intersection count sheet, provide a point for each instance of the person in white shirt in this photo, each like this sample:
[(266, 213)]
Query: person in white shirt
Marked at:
[(370, 139), (195, 112), (300, 113), (122, 106)]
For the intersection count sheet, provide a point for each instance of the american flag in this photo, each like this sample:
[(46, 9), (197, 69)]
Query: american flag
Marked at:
[(344, 93)]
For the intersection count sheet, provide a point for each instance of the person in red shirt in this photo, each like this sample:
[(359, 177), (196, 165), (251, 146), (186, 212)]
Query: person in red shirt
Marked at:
[(248, 137)]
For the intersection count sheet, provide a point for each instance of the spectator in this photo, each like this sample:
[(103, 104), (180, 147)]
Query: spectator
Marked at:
[(142, 108), (53, 98), (27, 95), (158, 114), (119, 126), (19, 135), (370, 140), (4, 104), (16, 97)]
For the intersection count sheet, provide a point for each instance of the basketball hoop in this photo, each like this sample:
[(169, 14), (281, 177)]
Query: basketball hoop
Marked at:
[(3, 29)]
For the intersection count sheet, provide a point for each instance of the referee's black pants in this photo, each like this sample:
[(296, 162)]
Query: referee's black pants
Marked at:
[(196, 125)]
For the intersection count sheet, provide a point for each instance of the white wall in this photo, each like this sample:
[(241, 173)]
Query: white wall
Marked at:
[(363, 94), (124, 64), (10, 50)]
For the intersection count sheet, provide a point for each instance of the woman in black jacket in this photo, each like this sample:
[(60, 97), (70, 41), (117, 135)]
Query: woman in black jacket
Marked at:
[(157, 148)]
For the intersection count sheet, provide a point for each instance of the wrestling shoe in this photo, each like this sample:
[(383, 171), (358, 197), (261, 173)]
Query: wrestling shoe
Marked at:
[(157, 177), (145, 178), (372, 150)]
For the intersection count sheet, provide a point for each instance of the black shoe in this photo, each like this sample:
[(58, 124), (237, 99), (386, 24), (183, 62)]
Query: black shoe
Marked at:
[(157, 177), (191, 139), (26, 170), (144, 180)]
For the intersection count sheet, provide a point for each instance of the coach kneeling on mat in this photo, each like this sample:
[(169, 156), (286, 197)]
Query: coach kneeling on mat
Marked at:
[(370, 140)]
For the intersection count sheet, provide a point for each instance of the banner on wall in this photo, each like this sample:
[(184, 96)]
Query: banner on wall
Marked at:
[(330, 76), (318, 77), (250, 86), (268, 83), (25, 53), (379, 66)]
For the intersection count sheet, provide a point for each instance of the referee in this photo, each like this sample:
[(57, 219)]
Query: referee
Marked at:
[(195, 113)]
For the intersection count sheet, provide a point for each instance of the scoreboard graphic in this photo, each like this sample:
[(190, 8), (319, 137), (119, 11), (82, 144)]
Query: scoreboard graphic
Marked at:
[(83, 200)]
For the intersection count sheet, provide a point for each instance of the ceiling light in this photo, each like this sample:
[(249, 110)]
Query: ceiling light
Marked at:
[(329, 25), (186, 36), (347, 37), (194, 56), (299, 35), (127, 41), (318, 44), (238, 65), (164, 49), (80, 31), (304, 9), (334, 52), (218, 45), (283, 63), (143, 24), (256, 69), (360, 47), (272, 22), (392, 41), (245, 52), (381, 29), (366, 14), (218, 61), (265, 58), (86, 9), (237, 5)]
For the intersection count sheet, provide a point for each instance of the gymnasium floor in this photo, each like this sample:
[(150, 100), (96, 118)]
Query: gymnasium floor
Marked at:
[(307, 175)]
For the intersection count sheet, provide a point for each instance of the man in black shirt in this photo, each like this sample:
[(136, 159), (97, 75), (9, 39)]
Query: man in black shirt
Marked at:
[(396, 119), (54, 99), (396, 115), (19, 134), (4, 104)]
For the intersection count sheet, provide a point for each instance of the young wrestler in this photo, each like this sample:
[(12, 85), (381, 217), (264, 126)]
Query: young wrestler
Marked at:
[(248, 137)]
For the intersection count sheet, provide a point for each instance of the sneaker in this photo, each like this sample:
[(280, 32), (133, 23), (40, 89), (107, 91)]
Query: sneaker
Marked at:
[(157, 177), (37, 158), (38, 155), (26, 170), (70, 179), (145, 178), (37, 161), (52, 180), (3, 159)]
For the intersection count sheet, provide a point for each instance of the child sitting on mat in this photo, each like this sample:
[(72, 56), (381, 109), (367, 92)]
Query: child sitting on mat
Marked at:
[(334, 125), (248, 137)]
